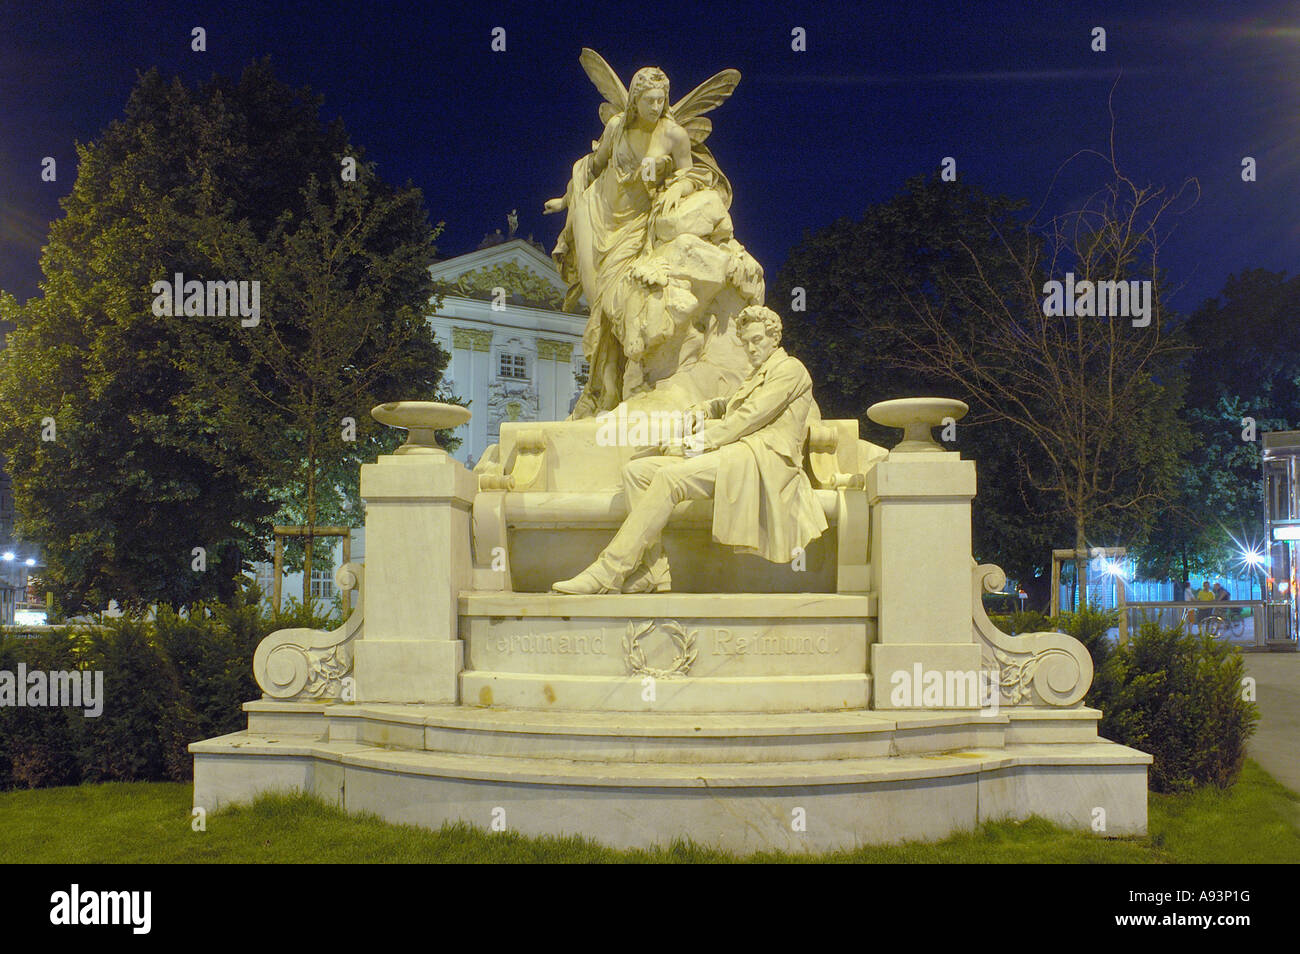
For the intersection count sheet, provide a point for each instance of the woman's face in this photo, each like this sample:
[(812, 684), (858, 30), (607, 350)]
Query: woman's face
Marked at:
[(650, 104)]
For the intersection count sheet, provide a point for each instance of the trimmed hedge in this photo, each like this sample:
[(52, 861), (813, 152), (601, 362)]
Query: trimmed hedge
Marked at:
[(167, 682)]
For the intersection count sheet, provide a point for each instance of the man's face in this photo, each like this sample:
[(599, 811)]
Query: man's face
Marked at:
[(758, 344)]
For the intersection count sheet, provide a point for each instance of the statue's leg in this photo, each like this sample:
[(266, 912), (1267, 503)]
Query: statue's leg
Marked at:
[(673, 480), (653, 574)]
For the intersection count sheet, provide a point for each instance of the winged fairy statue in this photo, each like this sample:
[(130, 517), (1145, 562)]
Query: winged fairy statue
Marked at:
[(647, 241)]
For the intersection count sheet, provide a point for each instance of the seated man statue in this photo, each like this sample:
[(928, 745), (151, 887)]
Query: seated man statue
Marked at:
[(748, 457)]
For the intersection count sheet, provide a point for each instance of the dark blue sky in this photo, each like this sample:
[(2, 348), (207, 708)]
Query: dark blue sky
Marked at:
[(1011, 89)]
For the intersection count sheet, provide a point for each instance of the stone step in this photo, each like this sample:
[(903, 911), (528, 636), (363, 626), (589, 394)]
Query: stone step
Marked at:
[(666, 738), (786, 803), (652, 775)]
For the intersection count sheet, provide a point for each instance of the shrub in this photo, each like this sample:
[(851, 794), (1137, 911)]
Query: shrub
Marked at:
[(1091, 627), (1022, 621), (38, 746), (213, 669), (147, 721), (181, 677), (1178, 697)]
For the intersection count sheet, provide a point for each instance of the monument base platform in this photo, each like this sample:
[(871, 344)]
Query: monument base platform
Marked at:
[(667, 652), (741, 782)]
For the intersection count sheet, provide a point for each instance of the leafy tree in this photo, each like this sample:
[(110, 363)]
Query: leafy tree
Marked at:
[(345, 287), (857, 278), (1243, 380), (1096, 395), (150, 456)]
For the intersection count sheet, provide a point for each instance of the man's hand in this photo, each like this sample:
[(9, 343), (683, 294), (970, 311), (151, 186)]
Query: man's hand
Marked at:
[(690, 446), (694, 445), (706, 410)]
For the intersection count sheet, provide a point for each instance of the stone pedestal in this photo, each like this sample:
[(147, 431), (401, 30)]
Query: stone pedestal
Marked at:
[(920, 560), (636, 719), (418, 543)]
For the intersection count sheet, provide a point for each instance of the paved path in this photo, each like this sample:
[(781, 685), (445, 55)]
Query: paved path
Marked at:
[(1276, 743)]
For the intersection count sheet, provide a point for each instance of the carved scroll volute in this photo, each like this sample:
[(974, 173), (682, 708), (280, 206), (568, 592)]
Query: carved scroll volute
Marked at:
[(311, 664), (823, 441), (529, 458), (1049, 669)]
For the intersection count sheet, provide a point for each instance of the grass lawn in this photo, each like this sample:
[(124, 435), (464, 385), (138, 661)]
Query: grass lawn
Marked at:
[(1256, 821)]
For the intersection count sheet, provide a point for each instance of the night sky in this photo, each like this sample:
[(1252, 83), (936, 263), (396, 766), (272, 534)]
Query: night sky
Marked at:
[(1011, 90)]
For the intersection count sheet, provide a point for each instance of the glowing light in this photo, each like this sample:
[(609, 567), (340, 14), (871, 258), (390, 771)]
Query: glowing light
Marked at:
[(1112, 567), (9, 555), (30, 562), (1286, 533)]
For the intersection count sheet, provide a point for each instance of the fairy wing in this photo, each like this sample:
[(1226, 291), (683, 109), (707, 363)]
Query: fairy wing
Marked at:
[(606, 81), (710, 94), (697, 128)]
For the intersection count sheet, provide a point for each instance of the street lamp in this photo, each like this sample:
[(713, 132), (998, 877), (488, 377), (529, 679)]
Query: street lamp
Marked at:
[(1254, 559)]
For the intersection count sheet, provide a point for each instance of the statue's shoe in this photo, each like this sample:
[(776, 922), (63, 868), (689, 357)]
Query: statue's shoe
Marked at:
[(585, 583), (644, 581)]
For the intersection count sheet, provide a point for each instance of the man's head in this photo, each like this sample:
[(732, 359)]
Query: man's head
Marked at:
[(760, 333)]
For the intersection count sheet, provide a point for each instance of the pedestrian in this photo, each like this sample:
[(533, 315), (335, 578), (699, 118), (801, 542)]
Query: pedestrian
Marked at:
[(1204, 595)]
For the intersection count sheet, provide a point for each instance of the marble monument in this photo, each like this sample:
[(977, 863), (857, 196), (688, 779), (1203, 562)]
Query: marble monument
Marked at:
[(695, 609)]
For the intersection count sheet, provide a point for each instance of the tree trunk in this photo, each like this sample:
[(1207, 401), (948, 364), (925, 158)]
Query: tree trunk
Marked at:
[(1080, 561), (309, 540)]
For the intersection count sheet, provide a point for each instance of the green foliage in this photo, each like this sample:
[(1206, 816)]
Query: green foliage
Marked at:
[(1178, 697), (1257, 821), (1026, 621), (38, 746), (1074, 423), (345, 294), (1090, 626), (176, 432), (210, 658), (147, 721), (1170, 693), (1246, 365), (858, 276), (178, 679), (296, 614)]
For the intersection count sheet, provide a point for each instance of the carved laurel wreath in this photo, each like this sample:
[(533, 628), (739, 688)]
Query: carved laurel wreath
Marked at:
[(636, 658)]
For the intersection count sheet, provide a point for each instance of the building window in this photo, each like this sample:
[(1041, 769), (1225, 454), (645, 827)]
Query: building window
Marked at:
[(514, 366), (322, 584), (265, 578)]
